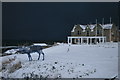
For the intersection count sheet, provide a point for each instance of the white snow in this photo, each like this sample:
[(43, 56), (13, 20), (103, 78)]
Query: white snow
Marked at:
[(11, 51), (107, 26), (74, 61), (73, 28), (91, 26), (83, 26), (41, 44)]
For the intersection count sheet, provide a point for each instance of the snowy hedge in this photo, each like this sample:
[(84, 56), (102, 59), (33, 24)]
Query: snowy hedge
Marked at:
[(9, 65)]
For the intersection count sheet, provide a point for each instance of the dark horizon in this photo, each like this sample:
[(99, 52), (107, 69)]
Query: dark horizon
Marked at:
[(52, 21)]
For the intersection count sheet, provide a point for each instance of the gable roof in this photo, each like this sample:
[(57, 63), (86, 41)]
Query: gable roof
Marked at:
[(91, 26), (107, 26), (73, 28), (83, 26)]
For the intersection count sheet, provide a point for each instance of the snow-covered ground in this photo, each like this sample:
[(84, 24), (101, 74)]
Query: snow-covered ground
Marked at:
[(74, 61)]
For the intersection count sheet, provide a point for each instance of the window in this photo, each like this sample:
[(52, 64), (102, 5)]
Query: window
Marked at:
[(78, 32), (112, 34), (87, 33), (99, 31)]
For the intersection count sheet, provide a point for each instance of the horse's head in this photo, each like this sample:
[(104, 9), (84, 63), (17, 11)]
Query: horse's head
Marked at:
[(23, 50)]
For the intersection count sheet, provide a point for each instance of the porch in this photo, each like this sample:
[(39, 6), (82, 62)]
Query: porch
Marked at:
[(86, 39)]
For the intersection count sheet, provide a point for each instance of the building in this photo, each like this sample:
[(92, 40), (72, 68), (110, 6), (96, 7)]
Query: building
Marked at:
[(93, 33)]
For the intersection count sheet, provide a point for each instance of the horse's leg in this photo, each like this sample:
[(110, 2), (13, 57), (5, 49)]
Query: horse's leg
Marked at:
[(42, 54), (39, 55), (29, 56)]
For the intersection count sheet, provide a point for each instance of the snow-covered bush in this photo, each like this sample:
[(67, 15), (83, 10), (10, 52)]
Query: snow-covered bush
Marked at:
[(11, 51), (10, 64)]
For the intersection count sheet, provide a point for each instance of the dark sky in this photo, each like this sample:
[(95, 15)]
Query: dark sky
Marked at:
[(51, 21)]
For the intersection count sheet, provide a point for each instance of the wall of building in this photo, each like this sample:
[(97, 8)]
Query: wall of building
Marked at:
[(111, 34)]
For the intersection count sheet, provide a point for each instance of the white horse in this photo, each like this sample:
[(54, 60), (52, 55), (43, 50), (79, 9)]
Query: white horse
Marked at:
[(32, 49)]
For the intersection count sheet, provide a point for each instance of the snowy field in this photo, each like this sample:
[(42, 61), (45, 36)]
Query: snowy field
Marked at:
[(74, 61)]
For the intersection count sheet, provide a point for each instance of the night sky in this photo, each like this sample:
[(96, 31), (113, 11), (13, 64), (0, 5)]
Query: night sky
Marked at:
[(51, 21)]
